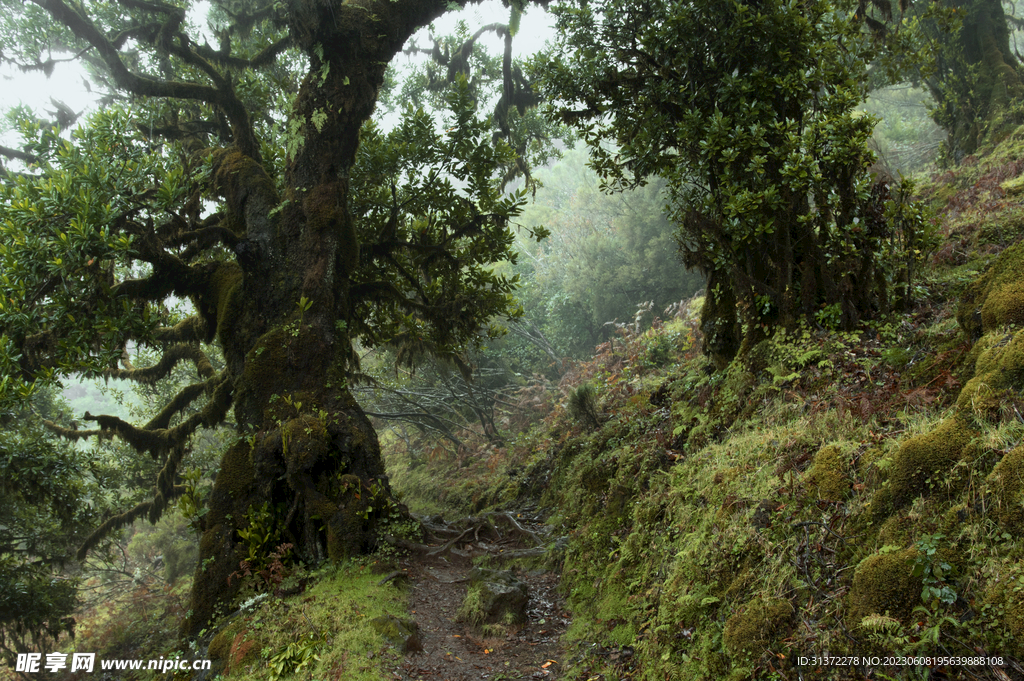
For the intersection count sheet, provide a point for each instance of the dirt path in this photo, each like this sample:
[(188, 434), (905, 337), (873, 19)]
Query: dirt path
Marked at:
[(452, 652)]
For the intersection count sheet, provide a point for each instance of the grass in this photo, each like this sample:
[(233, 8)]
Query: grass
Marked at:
[(326, 626)]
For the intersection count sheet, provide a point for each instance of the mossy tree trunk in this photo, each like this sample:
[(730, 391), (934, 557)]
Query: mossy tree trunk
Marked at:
[(978, 80), (305, 448)]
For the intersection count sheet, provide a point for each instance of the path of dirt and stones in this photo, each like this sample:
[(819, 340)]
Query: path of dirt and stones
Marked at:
[(438, 577)]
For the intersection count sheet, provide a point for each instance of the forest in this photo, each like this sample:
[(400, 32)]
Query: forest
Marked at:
[(518, 339)]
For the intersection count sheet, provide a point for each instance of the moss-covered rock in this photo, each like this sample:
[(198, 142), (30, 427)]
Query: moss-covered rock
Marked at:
[(1003, 306), (923, 457), (403, 633), (827, 478), (754, 625), (1007, 482), (1002, 283), (884, 584), (495, 599)]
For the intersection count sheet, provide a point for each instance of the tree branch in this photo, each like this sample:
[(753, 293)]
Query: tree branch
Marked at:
[(222, 95)]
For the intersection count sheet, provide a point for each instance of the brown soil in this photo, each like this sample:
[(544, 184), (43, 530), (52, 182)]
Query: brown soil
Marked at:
[(451, 649)]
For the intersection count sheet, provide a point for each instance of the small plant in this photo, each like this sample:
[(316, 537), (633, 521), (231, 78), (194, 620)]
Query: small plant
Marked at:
[(583, 406), (304, 304), (271, 574), (933, 571), (191, 504), (260, 531), (297, 655)]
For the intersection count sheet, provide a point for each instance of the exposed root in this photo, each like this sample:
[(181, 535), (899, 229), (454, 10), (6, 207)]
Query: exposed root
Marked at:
[(469, 531)]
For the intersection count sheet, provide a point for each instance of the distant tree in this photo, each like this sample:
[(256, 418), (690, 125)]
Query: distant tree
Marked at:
[(960, 51), (747, 110), (49, 501), (295, 228)]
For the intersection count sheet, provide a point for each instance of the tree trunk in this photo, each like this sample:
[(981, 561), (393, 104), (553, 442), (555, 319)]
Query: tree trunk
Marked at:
[(973, 108), (307, 466)]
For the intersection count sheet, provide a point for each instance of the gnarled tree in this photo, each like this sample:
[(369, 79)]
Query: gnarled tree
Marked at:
[(295, 227)]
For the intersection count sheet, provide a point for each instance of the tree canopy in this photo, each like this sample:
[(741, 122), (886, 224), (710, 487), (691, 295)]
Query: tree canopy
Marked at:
[(747, 110)]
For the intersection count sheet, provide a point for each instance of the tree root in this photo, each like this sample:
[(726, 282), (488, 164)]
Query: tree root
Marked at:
[(469, 531)]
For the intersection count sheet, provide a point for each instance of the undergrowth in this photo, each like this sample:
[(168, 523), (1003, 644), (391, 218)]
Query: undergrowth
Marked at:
[(829, 494)]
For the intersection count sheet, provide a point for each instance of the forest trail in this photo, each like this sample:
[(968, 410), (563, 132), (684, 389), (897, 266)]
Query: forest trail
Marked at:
[(453, 650)]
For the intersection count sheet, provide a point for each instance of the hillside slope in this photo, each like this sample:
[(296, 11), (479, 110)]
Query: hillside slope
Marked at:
[(831, 494)]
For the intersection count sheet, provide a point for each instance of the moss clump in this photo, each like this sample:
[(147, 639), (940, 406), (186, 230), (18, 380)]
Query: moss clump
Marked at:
[(222, 645), (998, 369), (1005, 598), (239, 177), (827, 478), (1007, 481), (403, 633), (924, 456), (1003, 306), (884, 584), (1001, 282), (495, 601), (758, 622), (898, 530)]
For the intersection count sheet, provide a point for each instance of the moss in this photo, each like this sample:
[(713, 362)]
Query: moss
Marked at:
[(347, 520), (238, 176), (756, 623), (399, 631), (1007, 482), (305, 441), (898, 530), (924, 456), (221, 645), (827, 478), (1004, 305), (999, 281), (220, 556), (884, 584), (495, 601), (980, 400), (999, 368), (1005, 598), (718, 322), (985, 354), (279, 360)]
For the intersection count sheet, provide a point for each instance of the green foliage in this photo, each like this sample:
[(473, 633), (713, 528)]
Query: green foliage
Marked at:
[(297, 655), (754, 130), (582, 406), (50, 494), (415, 166), (169, 540), (933, 571)]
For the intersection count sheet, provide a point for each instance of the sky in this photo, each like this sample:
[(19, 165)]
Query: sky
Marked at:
[(67, 84)]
